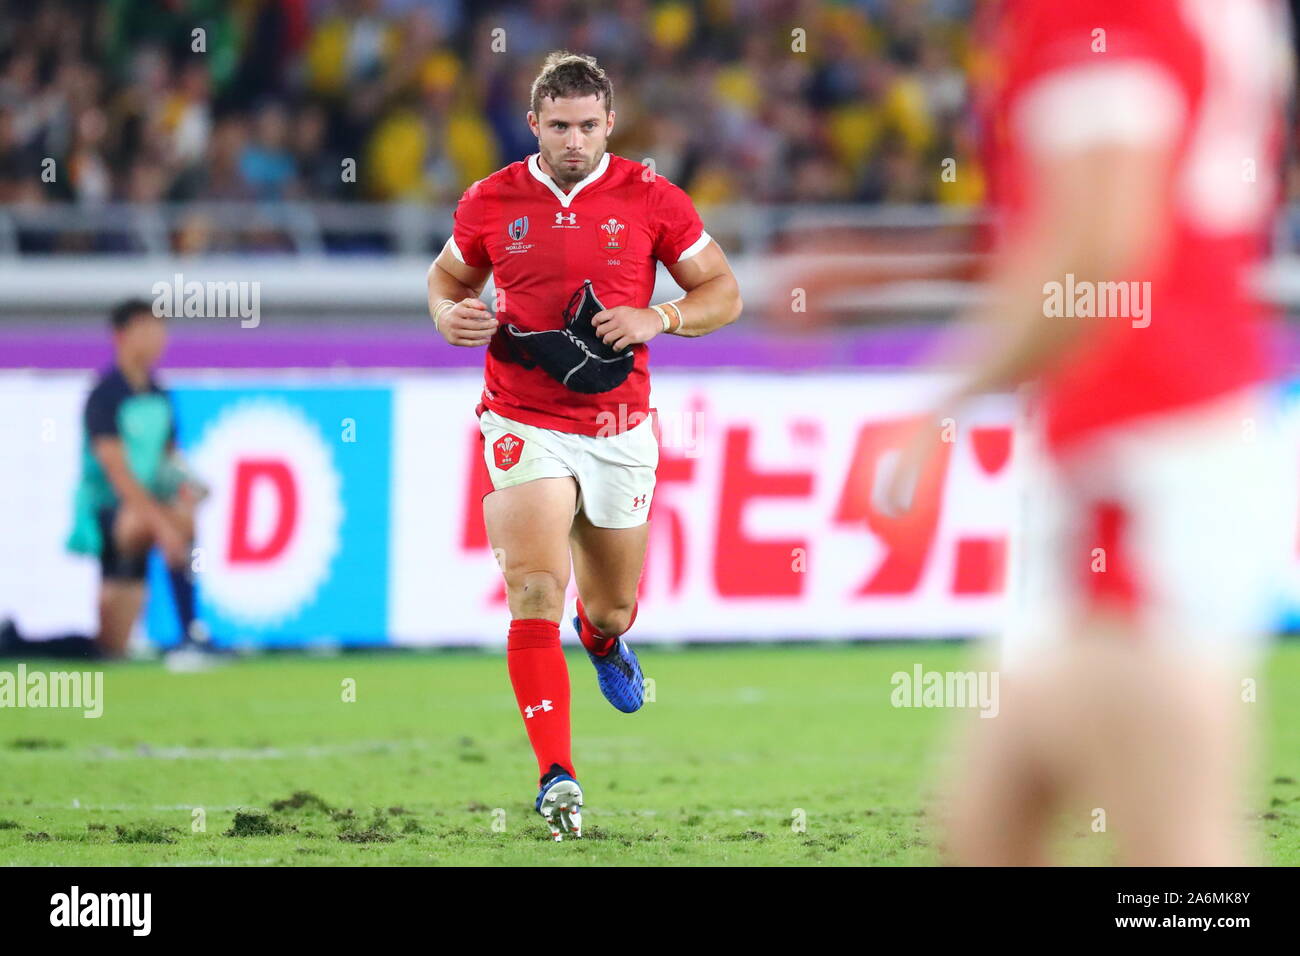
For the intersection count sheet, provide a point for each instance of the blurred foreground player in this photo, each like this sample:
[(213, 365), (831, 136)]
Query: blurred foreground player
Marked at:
[(135, 492), (571, 237), (1136, 144)]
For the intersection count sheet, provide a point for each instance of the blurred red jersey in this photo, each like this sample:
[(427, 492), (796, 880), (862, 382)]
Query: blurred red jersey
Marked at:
[(542, 244), (1205, 79)]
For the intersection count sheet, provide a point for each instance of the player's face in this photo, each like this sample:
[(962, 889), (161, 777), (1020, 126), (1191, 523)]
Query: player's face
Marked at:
[(143, 339), (571, 134)]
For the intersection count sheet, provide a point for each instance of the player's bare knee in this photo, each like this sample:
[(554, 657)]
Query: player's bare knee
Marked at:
[(612, 620), (131, 533), (537, 593)]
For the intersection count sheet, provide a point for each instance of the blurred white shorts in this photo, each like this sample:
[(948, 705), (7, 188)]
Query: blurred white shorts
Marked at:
[(1182, 519), (615, 473)]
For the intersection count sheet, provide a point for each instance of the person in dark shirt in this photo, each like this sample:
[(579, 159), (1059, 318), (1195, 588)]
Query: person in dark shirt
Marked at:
[(134, 493)]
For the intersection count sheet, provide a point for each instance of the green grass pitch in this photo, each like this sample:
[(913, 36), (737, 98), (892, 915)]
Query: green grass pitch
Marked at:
[(430, 765)]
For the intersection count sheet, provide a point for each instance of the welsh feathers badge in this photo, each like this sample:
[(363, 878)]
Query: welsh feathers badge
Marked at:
[(613, 235), (507, 449)]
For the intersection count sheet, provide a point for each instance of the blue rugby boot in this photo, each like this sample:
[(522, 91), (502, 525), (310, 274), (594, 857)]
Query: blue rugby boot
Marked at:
[(618, 673), (560, 803)]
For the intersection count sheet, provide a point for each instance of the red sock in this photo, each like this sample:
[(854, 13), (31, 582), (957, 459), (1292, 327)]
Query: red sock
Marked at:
[(592, 639), (540, 677)]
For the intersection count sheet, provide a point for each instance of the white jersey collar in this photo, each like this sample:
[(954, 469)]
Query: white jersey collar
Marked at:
[(535, 168)]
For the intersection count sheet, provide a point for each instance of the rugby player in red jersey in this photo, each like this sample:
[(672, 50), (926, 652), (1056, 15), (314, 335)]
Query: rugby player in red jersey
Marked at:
[(1133, 158), (571, 237)]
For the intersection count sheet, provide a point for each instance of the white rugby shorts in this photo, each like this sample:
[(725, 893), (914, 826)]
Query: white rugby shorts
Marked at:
[(1196, 502), (615, 473)]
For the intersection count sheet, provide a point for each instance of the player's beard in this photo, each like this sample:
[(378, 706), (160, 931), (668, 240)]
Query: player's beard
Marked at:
[(570, 175)]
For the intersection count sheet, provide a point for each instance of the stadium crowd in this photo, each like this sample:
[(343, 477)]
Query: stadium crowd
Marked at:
[(266, 103)]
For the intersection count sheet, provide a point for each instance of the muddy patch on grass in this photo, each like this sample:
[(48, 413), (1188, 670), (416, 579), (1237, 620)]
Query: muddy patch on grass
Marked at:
[(379, 831), (145, 833), (302, 800), (256, 824)]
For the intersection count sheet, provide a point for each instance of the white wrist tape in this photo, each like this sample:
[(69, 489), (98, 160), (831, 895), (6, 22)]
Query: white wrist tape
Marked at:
[(677, 311), (439, 307)]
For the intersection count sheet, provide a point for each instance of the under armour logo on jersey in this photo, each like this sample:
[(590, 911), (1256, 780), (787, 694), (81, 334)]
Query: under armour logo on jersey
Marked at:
[(507, 450), (561, 219), (638, 502), (545, 705)]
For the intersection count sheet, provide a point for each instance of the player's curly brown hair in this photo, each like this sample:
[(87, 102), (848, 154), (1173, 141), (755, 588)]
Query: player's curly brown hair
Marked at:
[(571, 74)]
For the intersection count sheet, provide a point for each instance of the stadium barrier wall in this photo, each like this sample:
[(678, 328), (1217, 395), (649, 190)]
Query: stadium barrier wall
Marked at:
[(346, 510)]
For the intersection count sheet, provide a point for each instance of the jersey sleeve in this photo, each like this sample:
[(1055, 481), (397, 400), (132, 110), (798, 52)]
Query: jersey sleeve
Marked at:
[(101, 413), (1129, 103), (466, 242), (679, 231), (1092, 73)]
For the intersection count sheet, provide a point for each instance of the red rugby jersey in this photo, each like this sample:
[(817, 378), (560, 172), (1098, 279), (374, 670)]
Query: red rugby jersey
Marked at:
[(1210, 75), (541, 244)]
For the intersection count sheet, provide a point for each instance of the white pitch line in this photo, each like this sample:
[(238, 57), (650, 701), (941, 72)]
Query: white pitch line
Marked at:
[(136, 807), (148, 752), (222, 862)]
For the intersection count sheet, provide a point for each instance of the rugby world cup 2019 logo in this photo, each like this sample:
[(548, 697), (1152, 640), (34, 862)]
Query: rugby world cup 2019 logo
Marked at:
[(517, 230), (507, 450), (613, 235)]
